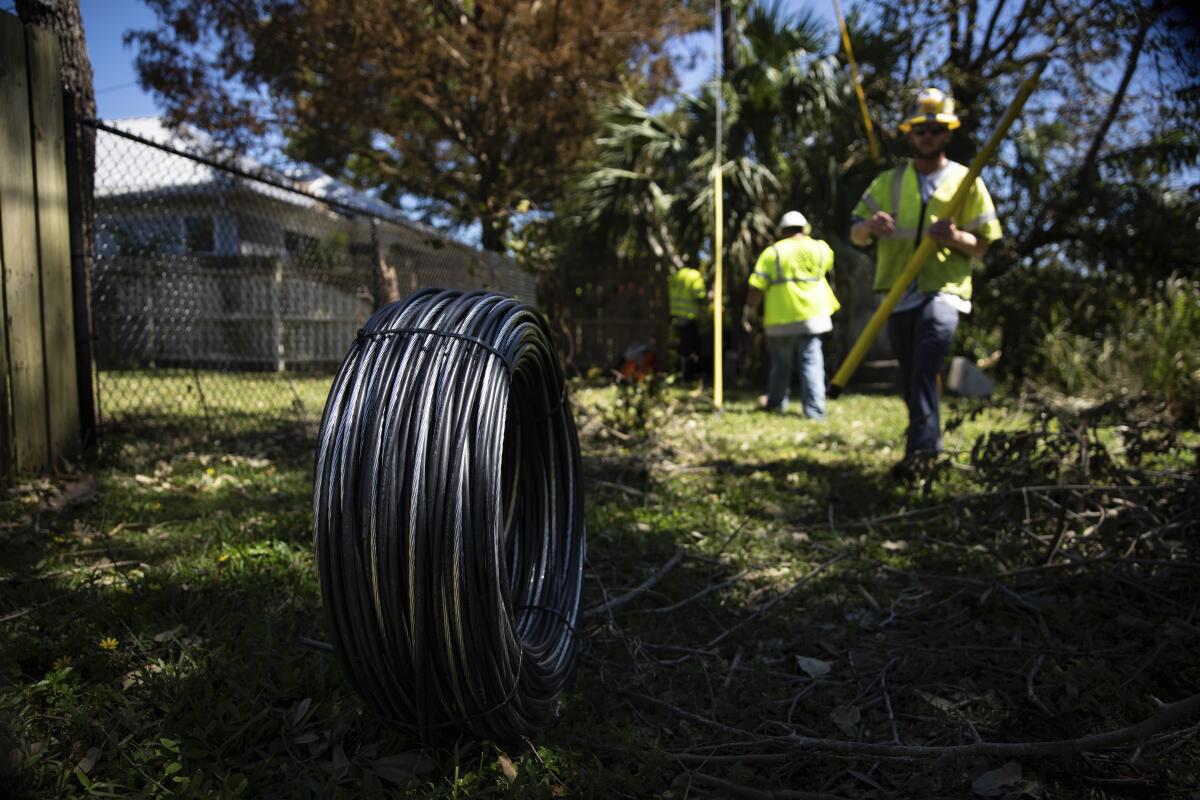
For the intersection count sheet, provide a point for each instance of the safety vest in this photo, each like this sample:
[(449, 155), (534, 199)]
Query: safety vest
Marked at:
[(898, 192), (791, 274), (687, 293)]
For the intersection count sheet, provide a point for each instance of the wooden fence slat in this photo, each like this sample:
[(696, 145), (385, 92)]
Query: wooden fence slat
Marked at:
[(22, 289), (54, 241), (7, 467)]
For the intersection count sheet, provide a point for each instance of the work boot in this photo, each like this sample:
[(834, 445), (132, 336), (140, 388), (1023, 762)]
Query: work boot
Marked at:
[(920, 465)]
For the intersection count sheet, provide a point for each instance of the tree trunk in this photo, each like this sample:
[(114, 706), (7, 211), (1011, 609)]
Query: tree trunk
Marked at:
[(729, 43), (493, 232)]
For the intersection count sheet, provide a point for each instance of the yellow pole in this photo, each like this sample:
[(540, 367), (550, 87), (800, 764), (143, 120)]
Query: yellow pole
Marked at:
[(858, 90), (718, 289), (925, 249), (718, 213)]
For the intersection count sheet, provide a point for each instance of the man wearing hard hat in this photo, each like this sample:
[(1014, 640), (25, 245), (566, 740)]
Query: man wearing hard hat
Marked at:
[(900, 206), (800, 304)]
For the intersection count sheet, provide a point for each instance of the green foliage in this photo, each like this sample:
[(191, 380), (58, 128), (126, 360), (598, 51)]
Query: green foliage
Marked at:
[(641, 405), (1152, 347)]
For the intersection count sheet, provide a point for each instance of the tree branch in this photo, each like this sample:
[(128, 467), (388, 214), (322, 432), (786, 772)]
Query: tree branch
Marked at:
[(1135, 52), (1166, 716), (617, 603)]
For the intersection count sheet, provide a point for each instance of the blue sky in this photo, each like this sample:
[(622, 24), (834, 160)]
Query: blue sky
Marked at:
[(115, 79), (117, 92)]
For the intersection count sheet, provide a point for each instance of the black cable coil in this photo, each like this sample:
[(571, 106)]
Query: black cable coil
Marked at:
[(448, 516)]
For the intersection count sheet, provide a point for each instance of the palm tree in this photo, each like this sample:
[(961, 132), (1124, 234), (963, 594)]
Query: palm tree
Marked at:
[(790, 123)]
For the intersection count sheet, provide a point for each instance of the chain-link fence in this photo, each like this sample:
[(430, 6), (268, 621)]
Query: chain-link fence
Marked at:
[(224, 294)]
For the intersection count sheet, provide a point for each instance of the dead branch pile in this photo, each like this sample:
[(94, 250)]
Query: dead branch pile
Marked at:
[(1036, 637)]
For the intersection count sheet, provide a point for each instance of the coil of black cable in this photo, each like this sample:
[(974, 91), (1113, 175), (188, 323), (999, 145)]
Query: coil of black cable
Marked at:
[(448, 516)]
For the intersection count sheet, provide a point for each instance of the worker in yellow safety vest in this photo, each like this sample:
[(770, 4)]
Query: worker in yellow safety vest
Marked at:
[(688, 296), (799, 307), (900, 206)]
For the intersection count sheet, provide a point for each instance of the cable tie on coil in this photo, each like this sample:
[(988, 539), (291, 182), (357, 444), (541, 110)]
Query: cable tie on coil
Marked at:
[(363, 333)]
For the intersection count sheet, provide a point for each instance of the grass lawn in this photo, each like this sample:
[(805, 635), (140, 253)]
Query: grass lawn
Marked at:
[(153, 605)]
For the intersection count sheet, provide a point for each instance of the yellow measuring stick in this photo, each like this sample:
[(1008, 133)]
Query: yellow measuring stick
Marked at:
[(718, 286), (858, 90), (925, 249)]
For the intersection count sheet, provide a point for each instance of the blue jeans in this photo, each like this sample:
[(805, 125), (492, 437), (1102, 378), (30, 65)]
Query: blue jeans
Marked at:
[(921, 339), (804, 351)]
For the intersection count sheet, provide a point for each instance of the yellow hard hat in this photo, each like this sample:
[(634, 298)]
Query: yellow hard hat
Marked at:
[(932, 106)]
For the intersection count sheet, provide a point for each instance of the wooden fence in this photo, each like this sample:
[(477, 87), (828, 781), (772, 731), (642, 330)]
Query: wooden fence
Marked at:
[(39, 397)]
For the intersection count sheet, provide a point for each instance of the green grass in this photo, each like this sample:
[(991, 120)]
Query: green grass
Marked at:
[(184, 398), (195, 557)]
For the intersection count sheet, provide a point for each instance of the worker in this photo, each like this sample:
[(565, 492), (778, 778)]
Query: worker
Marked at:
[(687, 295), (898, 207), (799, 307)]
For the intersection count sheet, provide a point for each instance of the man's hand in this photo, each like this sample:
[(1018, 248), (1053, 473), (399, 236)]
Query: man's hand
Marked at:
[(881, 224), (945, 232), (749, 314)]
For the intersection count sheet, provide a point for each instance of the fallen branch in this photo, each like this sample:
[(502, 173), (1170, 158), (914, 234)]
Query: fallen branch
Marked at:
[(1002, 493), (716, 587), (737, 790), (618, 486), (739, 759), (1166, 716), (620, 602), (99, 566), (767, 606)]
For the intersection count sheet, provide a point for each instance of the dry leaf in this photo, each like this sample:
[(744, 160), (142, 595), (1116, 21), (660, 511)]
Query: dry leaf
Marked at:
[(87, 762), (172, 633), (996, 782), (507, 767), (301, 711), (814, 667), (403, 768), (847, 718)]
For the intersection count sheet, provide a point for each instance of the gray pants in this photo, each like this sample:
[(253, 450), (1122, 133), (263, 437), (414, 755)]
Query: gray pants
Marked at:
[(921, 339)]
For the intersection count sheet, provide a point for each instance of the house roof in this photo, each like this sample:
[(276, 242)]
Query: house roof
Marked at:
[(125, 167)]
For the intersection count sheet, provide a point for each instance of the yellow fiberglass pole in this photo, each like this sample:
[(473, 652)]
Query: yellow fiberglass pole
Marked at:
[(858, 90), (718, 286), (925, 249), (719, 216)]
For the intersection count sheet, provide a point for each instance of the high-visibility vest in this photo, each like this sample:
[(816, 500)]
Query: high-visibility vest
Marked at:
[(687, 293), (791, 274), (898, 192)]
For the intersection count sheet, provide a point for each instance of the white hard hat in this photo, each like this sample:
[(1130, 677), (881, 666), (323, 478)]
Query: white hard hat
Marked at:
[(794, 219)]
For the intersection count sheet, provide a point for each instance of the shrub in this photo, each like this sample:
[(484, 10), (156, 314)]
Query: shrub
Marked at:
[(1153, 348)]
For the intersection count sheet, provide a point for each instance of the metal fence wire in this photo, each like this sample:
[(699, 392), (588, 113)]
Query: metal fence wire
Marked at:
[(224, 295)]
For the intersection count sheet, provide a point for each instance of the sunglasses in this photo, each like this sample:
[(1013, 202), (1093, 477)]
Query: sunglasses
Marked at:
[(929, 130)]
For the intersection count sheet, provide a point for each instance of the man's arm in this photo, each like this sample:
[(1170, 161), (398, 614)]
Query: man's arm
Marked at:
[(753, 297)]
